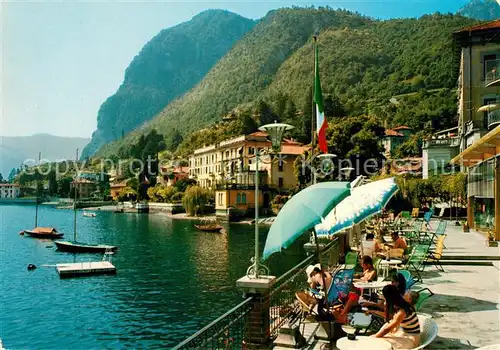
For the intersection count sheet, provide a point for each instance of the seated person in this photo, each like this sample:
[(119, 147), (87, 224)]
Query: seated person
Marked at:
[(397, 242), (369, 273), (370, 245), (316, 279), (399, 282), (399, 313)]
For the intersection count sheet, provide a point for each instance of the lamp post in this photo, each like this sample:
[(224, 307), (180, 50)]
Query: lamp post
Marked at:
[(275, 131), (322, 157), (347, 171)]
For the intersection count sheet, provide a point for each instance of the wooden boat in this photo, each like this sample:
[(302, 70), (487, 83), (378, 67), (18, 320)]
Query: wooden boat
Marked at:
[(77, 247), (43, 232), (209, 226)]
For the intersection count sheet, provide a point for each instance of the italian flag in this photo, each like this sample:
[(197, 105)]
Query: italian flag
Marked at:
[(321, 123)]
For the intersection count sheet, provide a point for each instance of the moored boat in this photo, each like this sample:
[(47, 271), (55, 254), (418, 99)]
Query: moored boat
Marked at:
[(209, 226), (87, 214), (43, 232), (77, 247)]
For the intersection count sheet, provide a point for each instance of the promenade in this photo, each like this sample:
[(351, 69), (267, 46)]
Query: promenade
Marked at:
[(467, 295)]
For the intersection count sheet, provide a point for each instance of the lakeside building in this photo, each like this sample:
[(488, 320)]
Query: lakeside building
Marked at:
[(84, 187), (169, 176), (394, 138), (10, 190), (438, 151), (229, 168), (115, 189), (477, 59)]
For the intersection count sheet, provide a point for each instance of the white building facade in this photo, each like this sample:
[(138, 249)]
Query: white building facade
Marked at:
[(10, 190)]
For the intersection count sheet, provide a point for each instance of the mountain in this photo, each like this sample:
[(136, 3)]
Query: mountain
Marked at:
[(485, 10), (18, 149), (170, 64), (363, 64), (246, 70)]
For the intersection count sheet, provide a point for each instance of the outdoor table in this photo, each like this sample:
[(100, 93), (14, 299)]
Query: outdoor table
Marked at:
[(371, 286), (385, 264), (363, 343), (357, 321)]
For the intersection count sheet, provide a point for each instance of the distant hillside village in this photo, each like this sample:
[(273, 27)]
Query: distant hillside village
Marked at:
[(214, 169)]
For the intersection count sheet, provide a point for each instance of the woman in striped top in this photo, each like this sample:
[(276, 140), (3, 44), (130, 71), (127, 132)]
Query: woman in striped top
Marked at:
[(403, 329)]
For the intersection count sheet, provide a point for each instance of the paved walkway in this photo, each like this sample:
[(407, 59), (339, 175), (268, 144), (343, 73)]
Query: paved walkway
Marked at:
[(466, 304), (459, 243)]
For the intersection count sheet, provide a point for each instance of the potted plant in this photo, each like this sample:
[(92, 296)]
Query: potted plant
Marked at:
[(491, 239), (465, 226)]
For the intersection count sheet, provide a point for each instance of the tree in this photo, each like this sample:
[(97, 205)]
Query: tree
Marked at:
[(51, 177), (266, 114), (173, 140), (195, 200), (12, 175), (63, 186), (333, 107), (357, 143)]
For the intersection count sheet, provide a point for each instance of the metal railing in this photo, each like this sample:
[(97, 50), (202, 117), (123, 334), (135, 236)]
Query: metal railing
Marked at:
[(282, 296), (226, 332), (493, 118), (492, 72)]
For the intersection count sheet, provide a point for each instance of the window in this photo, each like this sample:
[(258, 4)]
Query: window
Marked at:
[(251, 150), (238, 198), (280, 165), (244, 198), (490, 63), (280, 182)]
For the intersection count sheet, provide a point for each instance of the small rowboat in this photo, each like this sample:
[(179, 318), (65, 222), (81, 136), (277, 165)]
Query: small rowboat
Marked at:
[(43, 232), (87, 214), (77, 247), (209, 228)]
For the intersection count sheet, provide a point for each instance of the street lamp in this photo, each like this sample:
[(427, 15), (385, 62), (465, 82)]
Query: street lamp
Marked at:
[(347, 171), (275, 131), (322, 157)]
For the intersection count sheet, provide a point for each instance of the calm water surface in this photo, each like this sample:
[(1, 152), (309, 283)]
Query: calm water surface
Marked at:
[(171, 280)]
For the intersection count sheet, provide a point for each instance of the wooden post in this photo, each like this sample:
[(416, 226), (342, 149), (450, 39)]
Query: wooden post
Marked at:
[(470, 212), (496, 196)]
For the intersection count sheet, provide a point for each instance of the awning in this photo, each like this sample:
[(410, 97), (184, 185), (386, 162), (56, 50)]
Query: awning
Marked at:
[(486, 147)]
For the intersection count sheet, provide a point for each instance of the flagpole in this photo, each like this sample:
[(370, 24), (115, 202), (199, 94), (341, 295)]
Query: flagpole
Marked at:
[(313, 114)]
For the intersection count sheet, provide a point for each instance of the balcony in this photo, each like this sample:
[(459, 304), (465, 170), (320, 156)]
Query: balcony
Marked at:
[(493, 119), (442, 142), (492, 73)]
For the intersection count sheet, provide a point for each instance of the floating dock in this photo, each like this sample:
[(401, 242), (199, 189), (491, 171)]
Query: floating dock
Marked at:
[(85, 268)]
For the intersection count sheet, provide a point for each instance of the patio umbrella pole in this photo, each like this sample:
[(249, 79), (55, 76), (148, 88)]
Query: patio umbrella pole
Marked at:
[(318, 253)]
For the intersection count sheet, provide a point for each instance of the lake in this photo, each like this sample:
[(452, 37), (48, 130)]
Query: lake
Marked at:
[(171, 280)]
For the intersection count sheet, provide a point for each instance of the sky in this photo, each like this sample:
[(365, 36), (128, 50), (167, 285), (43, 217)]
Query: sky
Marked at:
[(60, 60)]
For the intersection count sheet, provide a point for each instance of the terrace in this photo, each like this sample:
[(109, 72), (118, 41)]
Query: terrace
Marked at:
[(464, 304)]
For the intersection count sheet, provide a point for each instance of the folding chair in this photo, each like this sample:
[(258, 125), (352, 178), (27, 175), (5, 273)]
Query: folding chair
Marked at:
[(417, 259), (423, 295)]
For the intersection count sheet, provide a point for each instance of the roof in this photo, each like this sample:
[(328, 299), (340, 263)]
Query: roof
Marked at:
[(291, 142), (259, 134), (44, 230), (402, 127), (483, 26), (83, 181), (486, 147), (390, 132), (294, 149), (10, 185), (181, 169), (118, 185)]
